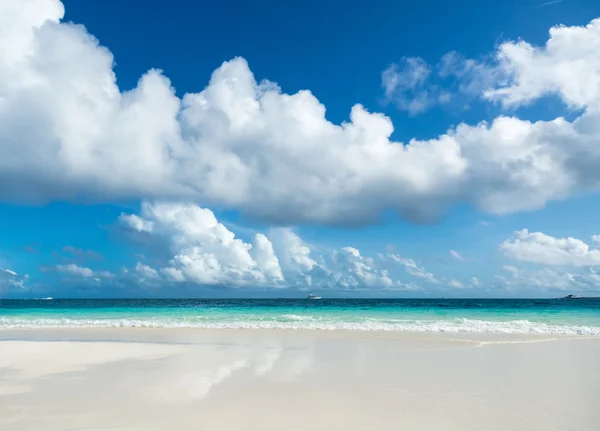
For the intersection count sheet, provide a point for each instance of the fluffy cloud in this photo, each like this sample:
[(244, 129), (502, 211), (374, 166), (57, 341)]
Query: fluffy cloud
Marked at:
[(146, 272), (205, 252), (540, 248), (246, 145), (137, 223), (295, 257), (518, 73), (360, 271), (567, 66), (265, 258)]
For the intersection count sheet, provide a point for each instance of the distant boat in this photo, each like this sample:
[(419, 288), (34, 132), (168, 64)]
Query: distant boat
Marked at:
[(311, 296), (572, 297)]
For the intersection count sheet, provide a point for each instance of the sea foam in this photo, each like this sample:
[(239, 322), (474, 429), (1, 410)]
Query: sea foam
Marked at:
[(307, 323)]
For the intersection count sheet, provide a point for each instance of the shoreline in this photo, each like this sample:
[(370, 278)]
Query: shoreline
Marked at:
[(169, 335)]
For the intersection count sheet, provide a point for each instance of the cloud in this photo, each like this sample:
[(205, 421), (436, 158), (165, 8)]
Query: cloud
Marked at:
[(458, 81), (10, 279), (145, 272), (456, 255), (82, 271), (9, 272), (434, 283), (414, 72), (568, 66), (548, 279), (73, 269), (205, 252), (518, 73), (404, 85), (456, 284), (551, 2), (173, 274), (360, 271), (294, 254), (265, 258), (246, 145), (31, 249), (82, 254), (136, 223), (537, 247), (468, 78), (413, 269)]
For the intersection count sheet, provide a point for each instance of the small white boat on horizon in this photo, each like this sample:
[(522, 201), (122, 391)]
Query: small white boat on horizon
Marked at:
[(311, 296)]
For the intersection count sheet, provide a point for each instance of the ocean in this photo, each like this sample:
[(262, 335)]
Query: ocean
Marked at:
[(509, 316)]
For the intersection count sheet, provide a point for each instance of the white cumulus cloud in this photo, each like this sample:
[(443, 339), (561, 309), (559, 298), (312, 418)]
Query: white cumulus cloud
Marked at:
[(248, 146), (568, 66), (146, 272), (537, 247), (205, 252), (136, 223), (265, 258), (293, 253), (360, 271)]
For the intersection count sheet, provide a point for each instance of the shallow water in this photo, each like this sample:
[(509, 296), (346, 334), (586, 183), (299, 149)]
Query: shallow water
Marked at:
[(511, 316)]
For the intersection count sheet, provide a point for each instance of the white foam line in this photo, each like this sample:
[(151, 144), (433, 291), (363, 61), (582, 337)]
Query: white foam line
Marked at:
[(446, 326)]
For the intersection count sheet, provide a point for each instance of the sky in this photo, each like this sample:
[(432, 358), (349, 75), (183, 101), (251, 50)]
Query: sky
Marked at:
[(275, 149)]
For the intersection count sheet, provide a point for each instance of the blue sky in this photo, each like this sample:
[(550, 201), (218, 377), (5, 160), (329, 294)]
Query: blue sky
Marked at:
[(339, 149)]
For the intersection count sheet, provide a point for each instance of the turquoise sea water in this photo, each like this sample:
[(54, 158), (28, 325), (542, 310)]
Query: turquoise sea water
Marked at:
[(515, 316)]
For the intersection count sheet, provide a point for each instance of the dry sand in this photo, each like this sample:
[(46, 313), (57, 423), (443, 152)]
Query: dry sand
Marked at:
[(294, 380)]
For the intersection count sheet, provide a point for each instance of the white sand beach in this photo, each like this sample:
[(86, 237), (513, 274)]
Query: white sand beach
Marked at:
[(154, 379)]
